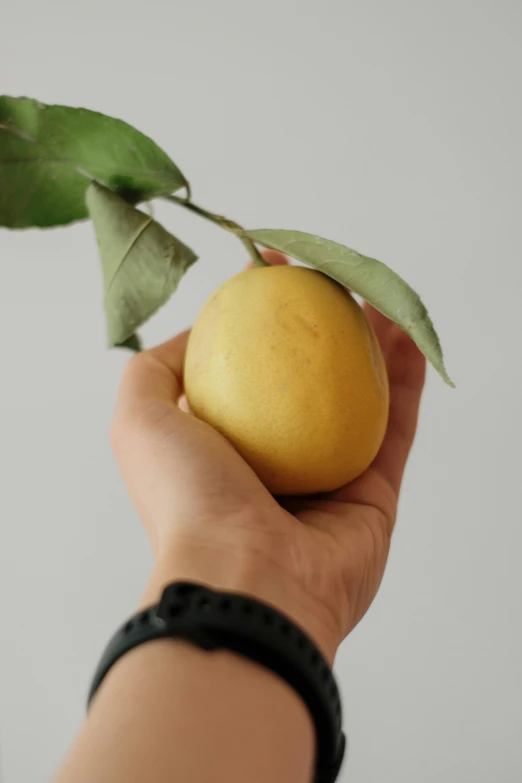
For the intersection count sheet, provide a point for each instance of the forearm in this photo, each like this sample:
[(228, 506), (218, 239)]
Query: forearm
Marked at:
[(202, 717), (169, 711)]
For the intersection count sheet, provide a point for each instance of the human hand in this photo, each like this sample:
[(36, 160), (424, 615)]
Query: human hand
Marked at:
[(319, 559)]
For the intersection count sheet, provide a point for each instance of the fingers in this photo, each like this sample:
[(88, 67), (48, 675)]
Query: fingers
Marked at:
[(406, 373), (379, 486), (406, 369), (272, 257), (154, 376), (183, 404), (171, 353), (382, 326)]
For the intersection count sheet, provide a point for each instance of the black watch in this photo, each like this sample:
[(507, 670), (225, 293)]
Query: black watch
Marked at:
[(214, 620)]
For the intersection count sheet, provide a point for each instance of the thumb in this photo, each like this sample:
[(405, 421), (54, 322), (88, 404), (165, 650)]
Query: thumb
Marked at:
[(152, 383)]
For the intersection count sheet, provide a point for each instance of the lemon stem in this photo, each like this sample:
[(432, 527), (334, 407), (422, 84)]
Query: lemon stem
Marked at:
[(223, 222)]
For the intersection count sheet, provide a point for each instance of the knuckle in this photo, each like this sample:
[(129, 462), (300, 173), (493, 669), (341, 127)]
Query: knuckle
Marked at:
[(136, 364)]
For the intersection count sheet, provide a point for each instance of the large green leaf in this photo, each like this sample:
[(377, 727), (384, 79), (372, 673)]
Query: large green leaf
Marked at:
[(142, 263), (371, 279), (50, 154)]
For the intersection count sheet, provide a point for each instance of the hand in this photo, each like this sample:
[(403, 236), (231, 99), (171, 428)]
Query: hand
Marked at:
[(318, 559)]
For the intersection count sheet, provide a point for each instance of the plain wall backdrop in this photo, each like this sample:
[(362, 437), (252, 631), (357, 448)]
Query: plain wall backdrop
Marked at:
[(393, 127)]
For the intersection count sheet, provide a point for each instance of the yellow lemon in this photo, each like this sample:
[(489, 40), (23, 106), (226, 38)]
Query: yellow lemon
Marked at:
[(283, 362)]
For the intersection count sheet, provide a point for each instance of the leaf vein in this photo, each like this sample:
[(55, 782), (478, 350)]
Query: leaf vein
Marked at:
[(132, 242)]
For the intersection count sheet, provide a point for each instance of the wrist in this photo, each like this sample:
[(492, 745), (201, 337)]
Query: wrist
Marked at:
[(239, 570)]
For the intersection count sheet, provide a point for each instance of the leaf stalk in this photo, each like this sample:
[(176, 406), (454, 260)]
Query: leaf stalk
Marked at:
[(222, 222)]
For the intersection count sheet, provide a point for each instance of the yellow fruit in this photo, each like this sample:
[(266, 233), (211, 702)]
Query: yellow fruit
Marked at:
[(283, 362)]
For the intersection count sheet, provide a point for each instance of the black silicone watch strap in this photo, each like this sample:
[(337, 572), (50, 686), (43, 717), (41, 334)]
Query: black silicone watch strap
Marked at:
[(214, 620)]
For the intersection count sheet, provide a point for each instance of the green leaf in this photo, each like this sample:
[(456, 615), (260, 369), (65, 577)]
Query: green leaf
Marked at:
[(133, 343), (50, 154), (142, 263), (370, 279)]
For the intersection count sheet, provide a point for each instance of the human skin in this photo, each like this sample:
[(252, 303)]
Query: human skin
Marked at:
[(169, 711)]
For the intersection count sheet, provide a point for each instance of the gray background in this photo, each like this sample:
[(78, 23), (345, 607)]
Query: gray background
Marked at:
[(394, 127)]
